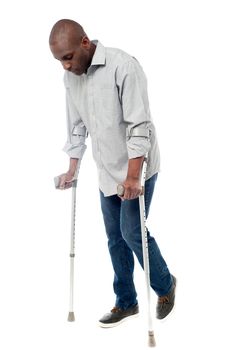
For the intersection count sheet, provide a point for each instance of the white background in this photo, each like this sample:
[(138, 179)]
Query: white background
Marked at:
[(185, 48)]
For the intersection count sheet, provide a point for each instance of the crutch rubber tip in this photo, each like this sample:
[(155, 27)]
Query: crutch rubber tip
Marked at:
[(151, 339), (71, 317)]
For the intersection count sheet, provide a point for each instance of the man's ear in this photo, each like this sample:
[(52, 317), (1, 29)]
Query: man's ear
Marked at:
[(86, 43)]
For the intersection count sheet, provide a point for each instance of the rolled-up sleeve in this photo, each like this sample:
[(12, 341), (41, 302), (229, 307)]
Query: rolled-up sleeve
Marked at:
[(132, 87), (76, 131)]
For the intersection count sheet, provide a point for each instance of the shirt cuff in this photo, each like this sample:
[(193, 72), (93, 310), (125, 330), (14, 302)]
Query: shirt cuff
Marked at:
[(74, 151), (138, 147)]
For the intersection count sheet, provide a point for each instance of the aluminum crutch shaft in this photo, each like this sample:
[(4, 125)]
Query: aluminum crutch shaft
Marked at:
[(71, 316), (146, 263), (145, 251)]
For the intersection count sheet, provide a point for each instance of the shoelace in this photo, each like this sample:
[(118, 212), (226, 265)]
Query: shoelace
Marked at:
[(115, 309), (163, 300)]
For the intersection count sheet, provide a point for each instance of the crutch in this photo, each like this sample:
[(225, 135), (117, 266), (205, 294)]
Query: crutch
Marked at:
[(146, 264), (71, 316)]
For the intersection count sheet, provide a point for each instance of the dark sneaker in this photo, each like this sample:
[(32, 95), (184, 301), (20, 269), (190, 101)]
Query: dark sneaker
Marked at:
[(117, 316), (165, 304)]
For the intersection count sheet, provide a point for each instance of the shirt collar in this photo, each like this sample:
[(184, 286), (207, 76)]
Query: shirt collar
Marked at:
[(99, 57)]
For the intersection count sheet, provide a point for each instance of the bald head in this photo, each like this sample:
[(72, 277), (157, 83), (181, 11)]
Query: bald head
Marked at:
[(66, 29), (70, 45)]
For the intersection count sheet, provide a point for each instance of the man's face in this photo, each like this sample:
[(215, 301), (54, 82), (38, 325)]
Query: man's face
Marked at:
[(73, 57)]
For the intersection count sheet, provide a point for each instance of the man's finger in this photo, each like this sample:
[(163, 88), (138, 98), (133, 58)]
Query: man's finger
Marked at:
[(127, 194), (132, 195), (71, 180), (61, 183), (68, 184)]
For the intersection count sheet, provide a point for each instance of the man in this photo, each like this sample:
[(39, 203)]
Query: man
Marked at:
[(106, 96)]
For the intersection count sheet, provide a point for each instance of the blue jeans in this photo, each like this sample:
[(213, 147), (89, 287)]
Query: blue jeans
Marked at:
[(123, 228)]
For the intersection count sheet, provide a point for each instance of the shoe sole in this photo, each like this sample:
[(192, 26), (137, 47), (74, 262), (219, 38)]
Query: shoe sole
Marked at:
[(111, 325)]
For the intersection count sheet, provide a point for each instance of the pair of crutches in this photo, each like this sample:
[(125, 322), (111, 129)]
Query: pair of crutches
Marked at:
[(120, 192)]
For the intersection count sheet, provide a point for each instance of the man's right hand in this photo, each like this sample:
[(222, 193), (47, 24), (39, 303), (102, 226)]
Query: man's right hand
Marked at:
[(65, 181)]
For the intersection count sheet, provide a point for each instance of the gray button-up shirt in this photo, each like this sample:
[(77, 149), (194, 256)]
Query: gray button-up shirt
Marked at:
[(110, 103)]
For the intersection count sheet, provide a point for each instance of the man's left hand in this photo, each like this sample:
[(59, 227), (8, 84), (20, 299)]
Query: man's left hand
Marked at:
[(132, 188)]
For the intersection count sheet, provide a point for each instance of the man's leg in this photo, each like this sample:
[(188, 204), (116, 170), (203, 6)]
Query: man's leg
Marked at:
[(160, 277), (121, 255)]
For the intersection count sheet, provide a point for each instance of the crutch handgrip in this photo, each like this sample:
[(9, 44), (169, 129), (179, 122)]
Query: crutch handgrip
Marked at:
[(57, 181), (121, 190)]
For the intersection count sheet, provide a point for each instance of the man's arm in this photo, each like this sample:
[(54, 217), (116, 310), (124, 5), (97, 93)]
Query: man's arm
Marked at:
[(132, 85), (73, 166), (132, 184), (76, 135)]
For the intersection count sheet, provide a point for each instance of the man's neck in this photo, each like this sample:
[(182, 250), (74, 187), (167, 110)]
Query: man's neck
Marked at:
[(92, 51)]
